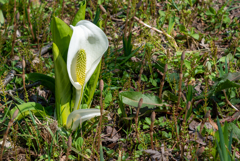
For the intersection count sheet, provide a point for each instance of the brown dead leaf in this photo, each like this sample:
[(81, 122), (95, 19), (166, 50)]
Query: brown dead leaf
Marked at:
[(111, 132), (200, 139), (231, 118), (193, 125), (163, 155), (213, 123), (200, 151), (111, 146)]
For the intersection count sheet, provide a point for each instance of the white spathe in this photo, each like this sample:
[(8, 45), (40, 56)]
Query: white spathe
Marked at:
[(94, 42), (90, 39), (77, 117)]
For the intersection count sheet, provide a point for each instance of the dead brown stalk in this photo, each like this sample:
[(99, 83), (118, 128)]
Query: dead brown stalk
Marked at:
[(151, 128), (162, 81), (100, 120), (136, 118)]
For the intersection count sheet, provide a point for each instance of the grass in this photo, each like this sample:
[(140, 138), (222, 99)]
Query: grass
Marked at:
[(182, 58)]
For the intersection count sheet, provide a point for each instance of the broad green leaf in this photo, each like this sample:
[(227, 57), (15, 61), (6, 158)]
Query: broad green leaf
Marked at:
[(63, 87), (80, 14), (132, 99), (209, 13), (231, 76), (45, 80), (235, 129), (225, 85), (61, 34), (224, 82), (187, 63), (91, 86), (212, 10), (24, 109), (195, 36)]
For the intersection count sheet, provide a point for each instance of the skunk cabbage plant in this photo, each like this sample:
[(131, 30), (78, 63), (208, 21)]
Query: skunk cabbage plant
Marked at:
[(77, 52), (87, 46)]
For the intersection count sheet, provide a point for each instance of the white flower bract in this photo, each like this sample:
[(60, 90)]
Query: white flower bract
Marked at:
[(87, 46), (92, 40)]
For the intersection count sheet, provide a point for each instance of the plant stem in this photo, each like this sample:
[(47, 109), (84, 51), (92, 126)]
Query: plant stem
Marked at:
[(162, 81), (100, 120), (151, 128), (136, 117)]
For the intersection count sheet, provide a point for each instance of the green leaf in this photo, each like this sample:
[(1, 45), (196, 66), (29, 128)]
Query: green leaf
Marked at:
[(187, 64), (4, 1), (108, 98), (61, 34), (97, 16), (222, 142), (230, 145), (173, 77), (174, 5), (63, 87), (190, 2), (235, 129), (225, 133), (132, 99), (25, 108), (1, 17), (80, 14), (195, 36), (2, 70), (219, 151), (167, 95), (148, 120), (78, 143), (171, 24), (160, 66), (225, 84), (45, 80), (129, 56), (190, 93), (127, 46), (212, 10), (101, 153), (182, 28), (231, 76), (91, 86)]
